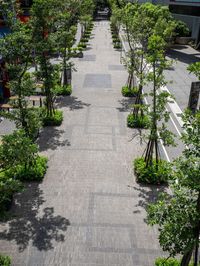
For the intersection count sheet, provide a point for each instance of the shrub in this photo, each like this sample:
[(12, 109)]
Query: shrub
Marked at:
[(5, 260), (84, 40), (34, 172), (182, 29), (55, 120), (126, 92), (63, 90), (116, 40), (82, 45), (169, 262), (8, 187), (151, 175), (137, 121), (117, 45)]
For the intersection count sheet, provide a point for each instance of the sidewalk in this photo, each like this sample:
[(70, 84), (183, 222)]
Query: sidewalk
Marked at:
[(88, 211)]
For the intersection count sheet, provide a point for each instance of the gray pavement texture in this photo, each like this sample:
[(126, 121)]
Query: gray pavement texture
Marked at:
[(178, 76), (88, 211)]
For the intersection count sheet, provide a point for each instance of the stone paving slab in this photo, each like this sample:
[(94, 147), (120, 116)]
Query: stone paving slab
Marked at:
[(88, 211)]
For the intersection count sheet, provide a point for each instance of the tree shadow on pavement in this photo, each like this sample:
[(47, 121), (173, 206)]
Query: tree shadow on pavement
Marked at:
[(126, 104), (31, 223), (50, 138), (146, 195), (183, 57), (72, 102)]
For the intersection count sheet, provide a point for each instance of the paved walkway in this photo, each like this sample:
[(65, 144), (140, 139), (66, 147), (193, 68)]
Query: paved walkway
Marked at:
[(88, 211)]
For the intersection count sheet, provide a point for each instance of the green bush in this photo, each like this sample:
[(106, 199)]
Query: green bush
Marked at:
[(126, 92), (84, 40), (117, 45), (55, 120), (137, 121), (116, 40), (169, 262), (65, 91), (5, 260), (151, 175), (182, 29), (82, 45), (87, 35), (34, 172), (8, 186)]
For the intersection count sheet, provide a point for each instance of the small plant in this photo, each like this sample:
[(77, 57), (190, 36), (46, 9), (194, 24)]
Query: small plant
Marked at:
[(55, 120), (126, 92), (82, 45), (156, 173), (84, 40), (5, 260), (169, 262), (141, 121), (117, 46), (63, 90)]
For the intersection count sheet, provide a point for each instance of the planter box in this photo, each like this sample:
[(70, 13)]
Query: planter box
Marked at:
[(183, 40)]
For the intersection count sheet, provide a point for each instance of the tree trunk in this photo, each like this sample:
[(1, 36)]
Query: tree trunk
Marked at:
[(186, 258)]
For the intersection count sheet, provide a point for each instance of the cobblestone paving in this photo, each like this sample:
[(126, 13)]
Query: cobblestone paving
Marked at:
[(88, 211)]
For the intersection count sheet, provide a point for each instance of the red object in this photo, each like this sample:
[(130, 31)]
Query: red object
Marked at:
[(23, 18)]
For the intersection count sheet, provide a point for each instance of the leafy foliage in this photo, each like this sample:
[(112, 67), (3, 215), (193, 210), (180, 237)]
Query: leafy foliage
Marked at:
[(60, 90), (127, 92), (141, 121), (55, 120), (157, 173), (35, 171), (8, 186), (5, 260)]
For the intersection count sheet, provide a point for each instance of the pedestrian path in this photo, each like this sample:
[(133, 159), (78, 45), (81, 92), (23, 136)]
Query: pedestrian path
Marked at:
[(88, 211)]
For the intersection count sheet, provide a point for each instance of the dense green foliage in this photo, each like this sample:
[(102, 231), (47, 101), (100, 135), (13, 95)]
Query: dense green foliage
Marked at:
[(181, 29), (141, 121), (5, 260), (63, 90), (169, 262), (129, 92), (34, 172), (153, 174), (8, 186), (55, 120), (178, 214)]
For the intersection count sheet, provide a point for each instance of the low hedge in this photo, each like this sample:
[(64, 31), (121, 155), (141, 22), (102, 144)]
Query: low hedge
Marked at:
[(169, 262), (55, 120), (117, 45), (63, 90), (137, 121), (82, 45), (5, 260), (34, 172), (151, 175), (126, 92)]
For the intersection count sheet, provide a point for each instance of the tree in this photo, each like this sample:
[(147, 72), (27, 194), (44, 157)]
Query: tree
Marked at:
[(65, 35), (16, 49), (178, 215), (43, 14), (158, 114)]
